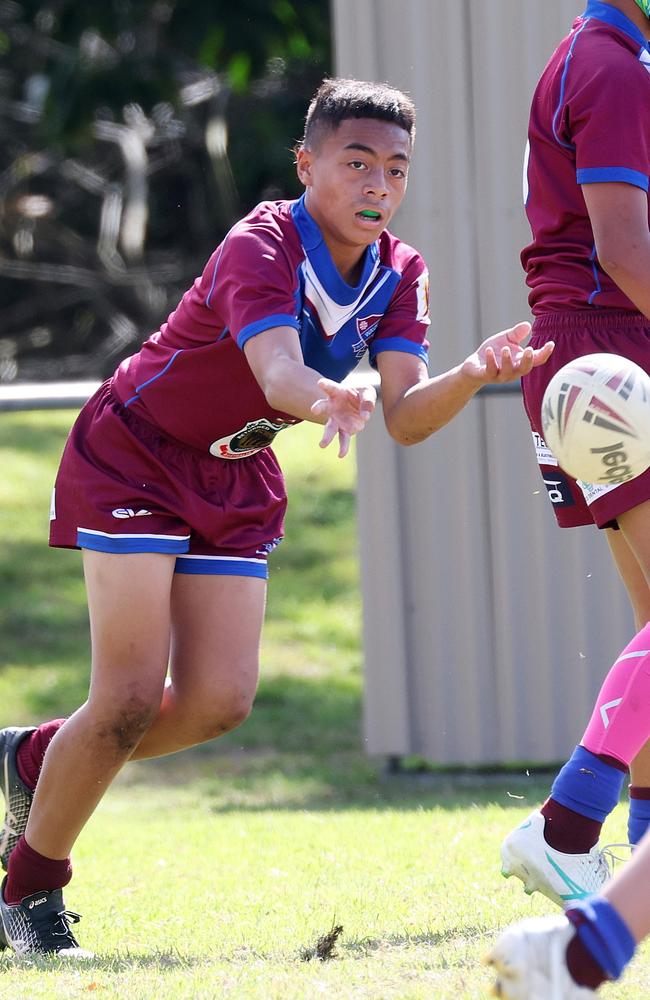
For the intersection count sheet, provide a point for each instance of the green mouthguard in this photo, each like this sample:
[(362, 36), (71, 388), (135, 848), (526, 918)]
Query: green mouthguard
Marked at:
[(645, 6)]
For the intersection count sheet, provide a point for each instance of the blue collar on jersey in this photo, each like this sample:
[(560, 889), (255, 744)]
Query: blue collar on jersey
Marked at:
[(613, 16), (321, 259)]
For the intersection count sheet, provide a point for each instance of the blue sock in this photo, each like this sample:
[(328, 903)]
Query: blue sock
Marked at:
[(638, 819), (588, 785), (604, 934)]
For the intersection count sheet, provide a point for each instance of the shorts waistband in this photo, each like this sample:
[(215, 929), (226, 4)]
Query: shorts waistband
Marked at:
[(590, 319)]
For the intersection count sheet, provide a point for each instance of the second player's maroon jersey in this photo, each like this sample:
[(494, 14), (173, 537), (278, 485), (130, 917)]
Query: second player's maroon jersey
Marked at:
[(273, 269), (589, 123)]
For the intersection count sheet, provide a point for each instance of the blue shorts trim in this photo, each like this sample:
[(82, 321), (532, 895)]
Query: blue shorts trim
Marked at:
[(222, 566), (101, 541)]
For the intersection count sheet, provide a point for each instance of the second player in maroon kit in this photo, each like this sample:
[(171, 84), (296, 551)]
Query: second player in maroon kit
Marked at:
[(587, 177)]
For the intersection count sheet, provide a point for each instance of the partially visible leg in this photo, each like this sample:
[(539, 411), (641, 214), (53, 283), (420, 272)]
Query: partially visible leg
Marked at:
[(630, 549), (624, 544), (587, 788), (129, 606), (555, 851), (576, 953), (216, 629), (214, 671)]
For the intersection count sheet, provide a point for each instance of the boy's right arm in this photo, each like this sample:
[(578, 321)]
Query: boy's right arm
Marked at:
[(619, 219), (290, 386)]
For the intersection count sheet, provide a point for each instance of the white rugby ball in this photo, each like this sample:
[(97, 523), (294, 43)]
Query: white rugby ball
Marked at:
[(596, 418)]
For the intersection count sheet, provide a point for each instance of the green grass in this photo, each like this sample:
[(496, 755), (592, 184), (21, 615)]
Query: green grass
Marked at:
[(212, 873)]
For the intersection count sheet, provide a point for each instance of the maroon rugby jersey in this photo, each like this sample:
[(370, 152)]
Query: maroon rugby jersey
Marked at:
[(273, 269), (589, 123)]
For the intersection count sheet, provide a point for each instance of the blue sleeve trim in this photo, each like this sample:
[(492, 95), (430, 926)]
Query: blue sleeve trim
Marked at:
[(279, 319), (601, 175), (398, 344)]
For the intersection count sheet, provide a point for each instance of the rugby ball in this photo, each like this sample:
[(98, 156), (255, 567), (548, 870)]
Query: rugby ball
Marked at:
[(596, 418)]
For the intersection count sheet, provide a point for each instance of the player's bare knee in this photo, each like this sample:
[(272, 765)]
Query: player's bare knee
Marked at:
[(236, 712), (128, 722), (229, 713)]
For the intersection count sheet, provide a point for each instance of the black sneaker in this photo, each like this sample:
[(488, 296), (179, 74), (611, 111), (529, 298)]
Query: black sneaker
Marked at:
[(40, 925), (18, 797)]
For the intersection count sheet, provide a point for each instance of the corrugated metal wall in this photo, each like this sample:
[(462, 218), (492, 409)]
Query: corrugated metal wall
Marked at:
[(487, 630)]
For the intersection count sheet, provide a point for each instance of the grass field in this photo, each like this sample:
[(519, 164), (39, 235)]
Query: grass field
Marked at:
[(213, 874)]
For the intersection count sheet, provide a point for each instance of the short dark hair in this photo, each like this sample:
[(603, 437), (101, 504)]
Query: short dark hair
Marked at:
[(338, 99)]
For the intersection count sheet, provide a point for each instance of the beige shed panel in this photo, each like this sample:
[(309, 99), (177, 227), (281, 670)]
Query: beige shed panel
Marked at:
[(487, 630)]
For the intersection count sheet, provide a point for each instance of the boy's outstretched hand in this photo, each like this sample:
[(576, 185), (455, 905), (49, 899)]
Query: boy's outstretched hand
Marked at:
[(347, 410), (501, 358)]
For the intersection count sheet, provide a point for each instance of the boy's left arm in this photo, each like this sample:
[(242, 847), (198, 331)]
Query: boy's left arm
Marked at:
[(416, 406)]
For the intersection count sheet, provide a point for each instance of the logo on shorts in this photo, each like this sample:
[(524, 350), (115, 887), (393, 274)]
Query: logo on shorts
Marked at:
[(254, 437), (267, 547), (124, 512), (559, 491)]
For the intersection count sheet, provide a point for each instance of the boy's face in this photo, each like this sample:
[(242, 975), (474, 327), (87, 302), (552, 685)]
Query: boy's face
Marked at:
[(355, 178)]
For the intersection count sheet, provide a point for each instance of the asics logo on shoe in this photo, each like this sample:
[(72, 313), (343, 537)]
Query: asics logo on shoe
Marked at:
[(36, 902), (124, 512)]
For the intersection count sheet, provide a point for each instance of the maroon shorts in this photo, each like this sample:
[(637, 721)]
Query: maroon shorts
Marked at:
[(576, 334), (124, 486)]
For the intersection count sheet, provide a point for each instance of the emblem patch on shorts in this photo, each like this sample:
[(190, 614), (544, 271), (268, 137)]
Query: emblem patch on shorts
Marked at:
[(559, 491), (254, 437)]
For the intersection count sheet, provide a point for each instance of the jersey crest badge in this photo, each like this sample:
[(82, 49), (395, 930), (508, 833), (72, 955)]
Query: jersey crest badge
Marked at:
[(256, 435), (366, 326)]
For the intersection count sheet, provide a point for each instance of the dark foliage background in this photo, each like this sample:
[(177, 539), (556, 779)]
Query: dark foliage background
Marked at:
[(132, 134)]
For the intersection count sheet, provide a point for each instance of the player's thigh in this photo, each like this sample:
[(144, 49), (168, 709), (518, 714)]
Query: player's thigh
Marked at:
[(635, 526), (216, 631), (129, 610), (631, 574)]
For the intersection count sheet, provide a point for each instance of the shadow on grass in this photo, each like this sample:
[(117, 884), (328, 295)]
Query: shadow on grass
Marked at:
[(124, 962), (260, 782), (121, 962), (368, 946)]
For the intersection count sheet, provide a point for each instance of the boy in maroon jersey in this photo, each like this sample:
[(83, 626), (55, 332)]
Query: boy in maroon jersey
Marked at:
[(170, 488)]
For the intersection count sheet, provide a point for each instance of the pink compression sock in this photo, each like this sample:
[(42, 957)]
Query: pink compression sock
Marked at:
[(620, 724), (31, 750)]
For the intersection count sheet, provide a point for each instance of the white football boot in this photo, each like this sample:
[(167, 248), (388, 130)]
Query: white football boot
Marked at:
[(529, 959), (564, 878)]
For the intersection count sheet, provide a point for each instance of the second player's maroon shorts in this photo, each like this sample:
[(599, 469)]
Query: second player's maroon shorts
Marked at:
[(576, 334), (123, 486)]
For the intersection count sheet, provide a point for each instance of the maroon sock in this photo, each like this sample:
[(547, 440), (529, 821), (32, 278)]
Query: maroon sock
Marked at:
[(568, 831), (31, 750), (30, 872), (639, 792), (583, 967)]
